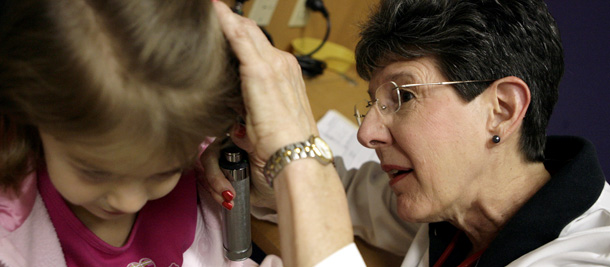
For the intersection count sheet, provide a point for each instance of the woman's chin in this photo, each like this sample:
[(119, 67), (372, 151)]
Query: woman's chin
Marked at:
[(410, 210)]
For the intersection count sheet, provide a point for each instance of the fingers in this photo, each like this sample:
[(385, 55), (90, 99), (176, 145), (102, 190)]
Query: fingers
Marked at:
[(278, 112), (261, 195), (214, 180), (253, 49), (243, 34), (238, 137)]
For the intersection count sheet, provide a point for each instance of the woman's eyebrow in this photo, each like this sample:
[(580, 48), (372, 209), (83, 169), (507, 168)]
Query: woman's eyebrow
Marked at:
[(402, 76), (395, 77)]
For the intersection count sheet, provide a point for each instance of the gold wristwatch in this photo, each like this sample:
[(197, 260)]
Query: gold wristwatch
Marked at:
[(314, 147)]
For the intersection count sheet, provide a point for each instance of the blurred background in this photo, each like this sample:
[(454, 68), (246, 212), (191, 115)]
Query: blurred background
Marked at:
[(583, 107)]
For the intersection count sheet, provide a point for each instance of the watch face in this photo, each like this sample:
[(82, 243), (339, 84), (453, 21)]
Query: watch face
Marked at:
[(323, 148)]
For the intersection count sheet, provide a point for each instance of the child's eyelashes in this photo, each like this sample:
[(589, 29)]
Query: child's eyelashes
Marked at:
[(166, 175), (102, 176), (95, 175)]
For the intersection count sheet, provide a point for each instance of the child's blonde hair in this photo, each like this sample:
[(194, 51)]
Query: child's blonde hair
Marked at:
[(148, 74)]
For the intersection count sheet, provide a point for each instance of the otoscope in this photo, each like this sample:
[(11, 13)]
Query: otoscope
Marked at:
[(237, 239), (233, 161)]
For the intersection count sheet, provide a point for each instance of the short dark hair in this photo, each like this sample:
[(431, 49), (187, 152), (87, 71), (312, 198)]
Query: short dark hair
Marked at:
[(473, 40)]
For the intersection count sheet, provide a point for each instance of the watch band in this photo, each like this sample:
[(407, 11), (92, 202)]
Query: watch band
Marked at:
[(300, 150)]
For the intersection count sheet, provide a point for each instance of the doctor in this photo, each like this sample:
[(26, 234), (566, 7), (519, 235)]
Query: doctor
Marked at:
[(461, 94)]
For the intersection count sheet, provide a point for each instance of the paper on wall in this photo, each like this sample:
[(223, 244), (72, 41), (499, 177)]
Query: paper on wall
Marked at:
[(340, 134)]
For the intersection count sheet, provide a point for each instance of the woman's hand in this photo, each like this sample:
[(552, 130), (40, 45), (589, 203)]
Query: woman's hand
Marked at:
[(278, 111), (214, 181), (277, 107), (313, 216), (212, 178)]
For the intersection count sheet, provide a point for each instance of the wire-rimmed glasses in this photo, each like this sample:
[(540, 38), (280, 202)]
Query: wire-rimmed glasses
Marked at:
[(388, 97)]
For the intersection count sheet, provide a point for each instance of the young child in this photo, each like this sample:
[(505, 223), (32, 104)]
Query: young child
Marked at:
[(103, 106)]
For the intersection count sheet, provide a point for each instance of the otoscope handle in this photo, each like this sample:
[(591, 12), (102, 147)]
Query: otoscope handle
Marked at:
[(237, 239)]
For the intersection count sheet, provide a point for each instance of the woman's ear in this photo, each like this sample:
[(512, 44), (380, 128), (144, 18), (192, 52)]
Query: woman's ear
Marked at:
[(510, 99)]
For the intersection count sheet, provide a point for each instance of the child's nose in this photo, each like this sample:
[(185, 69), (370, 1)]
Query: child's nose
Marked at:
[(129, 199)]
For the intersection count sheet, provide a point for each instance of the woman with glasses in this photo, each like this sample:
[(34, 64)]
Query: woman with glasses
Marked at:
[(460, 95)]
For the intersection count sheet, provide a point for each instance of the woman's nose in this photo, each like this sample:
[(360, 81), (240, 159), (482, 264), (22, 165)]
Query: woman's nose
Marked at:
[(128, 199), (373, 133)]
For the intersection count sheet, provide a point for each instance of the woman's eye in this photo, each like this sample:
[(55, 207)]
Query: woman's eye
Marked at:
[(406, 96)]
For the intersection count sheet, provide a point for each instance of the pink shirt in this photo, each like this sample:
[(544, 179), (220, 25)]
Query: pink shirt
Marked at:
[(162, 232)]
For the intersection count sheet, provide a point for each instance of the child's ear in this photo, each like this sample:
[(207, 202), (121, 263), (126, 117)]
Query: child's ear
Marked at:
[(510, 98)]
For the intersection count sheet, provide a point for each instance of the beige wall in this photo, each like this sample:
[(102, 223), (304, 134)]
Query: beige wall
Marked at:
[(345, 15), (331, 90)]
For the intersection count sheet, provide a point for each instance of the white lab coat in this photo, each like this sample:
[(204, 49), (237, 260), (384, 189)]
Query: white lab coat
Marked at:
[(575, 230), (575, 205)]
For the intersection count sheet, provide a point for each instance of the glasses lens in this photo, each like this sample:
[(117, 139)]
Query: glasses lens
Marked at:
[(387, 98)]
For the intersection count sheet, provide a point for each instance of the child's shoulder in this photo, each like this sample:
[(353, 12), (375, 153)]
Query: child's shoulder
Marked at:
[(23, 216), (16, 206)]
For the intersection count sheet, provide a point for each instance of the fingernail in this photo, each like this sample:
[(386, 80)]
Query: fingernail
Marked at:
[(227, 205), (214, 1), (240, 131), (227, 195)]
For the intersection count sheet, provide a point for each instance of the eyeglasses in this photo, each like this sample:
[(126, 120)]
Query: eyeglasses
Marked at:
[(389, 97)]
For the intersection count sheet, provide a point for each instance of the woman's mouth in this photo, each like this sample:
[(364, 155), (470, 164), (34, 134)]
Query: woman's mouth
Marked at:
[(396, 173), (394, 178)]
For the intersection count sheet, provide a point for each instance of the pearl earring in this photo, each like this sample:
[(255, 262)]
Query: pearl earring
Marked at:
[(495, 139)]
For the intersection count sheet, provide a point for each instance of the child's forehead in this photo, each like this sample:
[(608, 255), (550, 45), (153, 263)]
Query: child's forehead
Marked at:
[(123, 163), (127, 157)]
